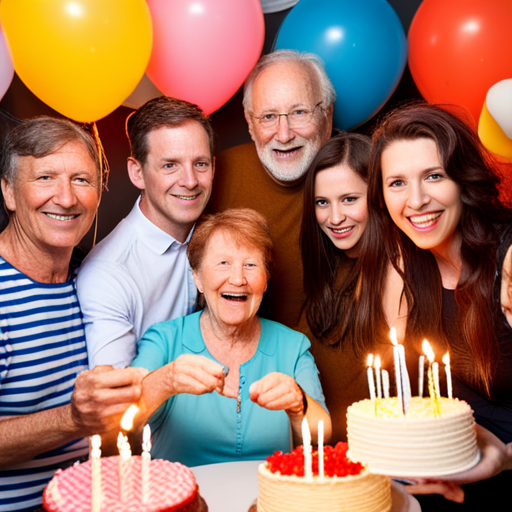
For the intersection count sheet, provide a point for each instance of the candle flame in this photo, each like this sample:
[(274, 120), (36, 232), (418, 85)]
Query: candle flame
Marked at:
[(369, 360), (128, 416), (392, 336), (377, 362), (428, 351), (446, 358)]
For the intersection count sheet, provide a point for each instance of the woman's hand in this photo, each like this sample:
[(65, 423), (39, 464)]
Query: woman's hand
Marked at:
[(278, 392), (194, 375), (495, 457)]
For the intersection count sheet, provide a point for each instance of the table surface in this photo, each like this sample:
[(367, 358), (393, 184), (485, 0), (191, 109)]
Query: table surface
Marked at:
[(233, 487)]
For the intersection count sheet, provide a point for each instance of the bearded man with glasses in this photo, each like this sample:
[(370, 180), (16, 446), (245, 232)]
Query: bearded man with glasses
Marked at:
[(288, 103)]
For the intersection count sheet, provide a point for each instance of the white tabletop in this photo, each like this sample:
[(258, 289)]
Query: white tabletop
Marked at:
[(233, 487)]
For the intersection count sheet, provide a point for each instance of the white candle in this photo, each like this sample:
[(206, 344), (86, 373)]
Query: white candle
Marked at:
[(396, 357), (96, 473), (124, 465), (369, 375), (435, 371), (446, 361), (406, 383), (306, 441), (385, 383), (431, 386), (146, 459), (421, 375), (377, 375), (321, 449)]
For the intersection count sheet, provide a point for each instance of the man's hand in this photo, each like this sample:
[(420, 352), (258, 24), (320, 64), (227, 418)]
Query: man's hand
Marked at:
[(102, 395)]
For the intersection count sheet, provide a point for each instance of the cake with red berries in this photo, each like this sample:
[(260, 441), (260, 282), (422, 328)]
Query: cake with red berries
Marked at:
[(432, 439), (171, 488), (345, 487)]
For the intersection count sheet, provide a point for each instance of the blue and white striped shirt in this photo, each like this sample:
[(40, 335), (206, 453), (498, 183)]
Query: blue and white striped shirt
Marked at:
[(42, 350)]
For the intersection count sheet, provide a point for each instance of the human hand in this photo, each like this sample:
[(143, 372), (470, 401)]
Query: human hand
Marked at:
[(494, 457), (102, 395), (277, 391), (195, 375)]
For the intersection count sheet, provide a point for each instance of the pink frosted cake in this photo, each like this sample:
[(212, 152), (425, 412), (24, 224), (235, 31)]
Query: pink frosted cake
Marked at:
[(172, 488)]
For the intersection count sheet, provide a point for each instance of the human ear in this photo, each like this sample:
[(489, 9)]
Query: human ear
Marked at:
[(8, 194), (136, 173)]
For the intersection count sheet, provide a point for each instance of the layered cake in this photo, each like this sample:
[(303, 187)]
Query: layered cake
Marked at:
[(171, 487), (346, 486), (428, 441)]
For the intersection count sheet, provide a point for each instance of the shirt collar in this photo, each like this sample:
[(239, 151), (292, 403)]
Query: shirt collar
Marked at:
[(155, 238)]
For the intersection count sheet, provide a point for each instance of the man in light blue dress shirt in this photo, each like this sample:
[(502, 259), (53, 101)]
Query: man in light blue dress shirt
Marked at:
[(139, 274)]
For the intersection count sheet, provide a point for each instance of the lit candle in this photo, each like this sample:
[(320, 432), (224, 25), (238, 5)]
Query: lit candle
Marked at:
[(96, 473), (435, 372), (124, 465), (446, 361), (385, 383), (421, 376), (146, 459), (396, 357), (369, 374), (321, 449), (128, 416), (306, 441), (431, 389), (377, 375)]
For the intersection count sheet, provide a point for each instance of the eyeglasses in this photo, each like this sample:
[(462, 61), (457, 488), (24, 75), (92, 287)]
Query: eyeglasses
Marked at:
[(297, 118)]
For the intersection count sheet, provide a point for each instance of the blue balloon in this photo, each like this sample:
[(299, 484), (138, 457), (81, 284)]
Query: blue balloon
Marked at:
[(363, 45)]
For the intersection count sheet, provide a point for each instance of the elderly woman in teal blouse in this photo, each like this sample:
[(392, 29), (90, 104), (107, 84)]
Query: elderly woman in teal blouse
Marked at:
[(201, 412)]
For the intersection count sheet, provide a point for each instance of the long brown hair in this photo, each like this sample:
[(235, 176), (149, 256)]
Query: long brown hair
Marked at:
[(328, 282), (468, 164)]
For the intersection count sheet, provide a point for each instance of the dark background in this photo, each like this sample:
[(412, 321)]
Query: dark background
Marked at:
[(228, 122)]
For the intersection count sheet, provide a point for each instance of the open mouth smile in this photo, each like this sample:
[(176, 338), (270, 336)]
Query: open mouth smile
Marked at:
[(286, 153), (61, 217), (186, 198), (424, 221), (237, 297)]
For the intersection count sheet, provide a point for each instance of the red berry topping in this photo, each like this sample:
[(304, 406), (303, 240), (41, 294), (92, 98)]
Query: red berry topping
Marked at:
[(335, 462)]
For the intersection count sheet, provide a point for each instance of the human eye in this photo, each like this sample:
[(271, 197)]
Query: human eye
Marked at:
[(169, 165), (268, 118), (321, 202), (349, 199), (435, 176), (203, 165), (299, 112), (396, 183)]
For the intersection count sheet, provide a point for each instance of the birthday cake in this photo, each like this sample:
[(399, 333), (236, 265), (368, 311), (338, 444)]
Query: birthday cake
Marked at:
[(429, 440), (345, 487), (171, 487)]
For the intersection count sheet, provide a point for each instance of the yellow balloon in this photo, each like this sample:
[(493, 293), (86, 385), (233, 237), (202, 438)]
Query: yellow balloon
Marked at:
[(81, 57), (492, 135)]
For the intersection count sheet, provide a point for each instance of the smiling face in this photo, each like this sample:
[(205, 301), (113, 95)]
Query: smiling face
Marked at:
[(282, 88), (233, 279), (423, 201), (176, 179), (53, 199), (340, 207)]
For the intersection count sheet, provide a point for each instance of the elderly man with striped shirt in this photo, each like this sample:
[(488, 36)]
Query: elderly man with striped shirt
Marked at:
[(49, 401)]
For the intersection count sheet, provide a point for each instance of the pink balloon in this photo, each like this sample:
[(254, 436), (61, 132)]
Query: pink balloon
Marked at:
[(203, 50), (6, 67)]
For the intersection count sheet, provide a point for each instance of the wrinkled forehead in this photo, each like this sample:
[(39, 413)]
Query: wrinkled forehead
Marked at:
[(284, 86)]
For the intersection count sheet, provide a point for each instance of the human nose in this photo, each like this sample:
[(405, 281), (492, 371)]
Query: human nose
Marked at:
[(337, 216), (237, 275), (189, 178), (284, 132), (64, 195), (418, 196)]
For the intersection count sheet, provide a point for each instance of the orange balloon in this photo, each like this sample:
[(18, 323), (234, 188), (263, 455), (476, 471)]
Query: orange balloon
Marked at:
[(81, 57), (458, 49)]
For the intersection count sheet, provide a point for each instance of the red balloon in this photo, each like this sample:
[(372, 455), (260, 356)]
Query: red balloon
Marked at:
[(203, 50), (458, 49)]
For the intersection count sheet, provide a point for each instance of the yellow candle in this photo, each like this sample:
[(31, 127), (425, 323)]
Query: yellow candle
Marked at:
[(431, 389)]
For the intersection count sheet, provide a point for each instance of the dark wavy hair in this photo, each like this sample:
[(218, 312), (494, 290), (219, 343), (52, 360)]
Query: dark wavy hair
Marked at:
[(472, 167), (328, 282)]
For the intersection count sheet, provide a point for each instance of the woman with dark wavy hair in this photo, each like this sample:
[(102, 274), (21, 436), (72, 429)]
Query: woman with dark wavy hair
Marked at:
[(333, 225), (435, 213)]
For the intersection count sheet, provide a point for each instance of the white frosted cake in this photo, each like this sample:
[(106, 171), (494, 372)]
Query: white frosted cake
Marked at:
[(346, 486), (422, 443)]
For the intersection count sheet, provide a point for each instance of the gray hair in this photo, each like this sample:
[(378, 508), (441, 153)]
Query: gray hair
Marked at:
[(39, 137), (309, 61)]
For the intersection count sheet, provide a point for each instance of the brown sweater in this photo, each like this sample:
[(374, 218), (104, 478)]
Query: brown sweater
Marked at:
[(241, 181)]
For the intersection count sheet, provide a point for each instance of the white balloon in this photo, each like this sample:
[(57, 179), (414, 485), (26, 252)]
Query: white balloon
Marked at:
[(6, 67), (499, 105)]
